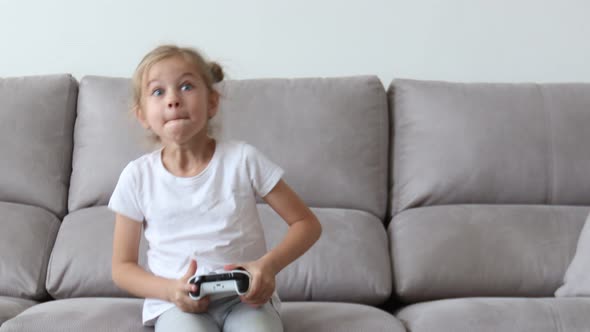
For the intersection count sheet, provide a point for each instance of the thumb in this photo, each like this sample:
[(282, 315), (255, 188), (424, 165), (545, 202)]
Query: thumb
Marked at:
[(229, 267), (192, 268)]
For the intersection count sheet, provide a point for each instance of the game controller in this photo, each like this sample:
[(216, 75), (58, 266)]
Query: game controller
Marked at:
[(220, 284)]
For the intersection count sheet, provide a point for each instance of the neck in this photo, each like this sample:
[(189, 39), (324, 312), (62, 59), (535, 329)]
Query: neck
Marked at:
[(188, 159)]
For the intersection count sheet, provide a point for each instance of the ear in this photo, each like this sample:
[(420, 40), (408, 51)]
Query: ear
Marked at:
[(140, 117), (213, 104)]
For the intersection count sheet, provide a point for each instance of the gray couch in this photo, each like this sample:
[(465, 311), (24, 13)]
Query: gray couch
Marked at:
[(492, 188), (445, 207)]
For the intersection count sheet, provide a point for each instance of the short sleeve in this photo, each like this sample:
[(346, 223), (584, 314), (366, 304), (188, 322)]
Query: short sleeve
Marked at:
[(264, 174), (124, 199)]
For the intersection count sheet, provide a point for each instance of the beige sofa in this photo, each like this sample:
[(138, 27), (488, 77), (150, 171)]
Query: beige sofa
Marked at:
[(445, 207)]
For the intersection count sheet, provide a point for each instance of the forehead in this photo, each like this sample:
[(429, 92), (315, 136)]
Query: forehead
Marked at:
[(170, 69)]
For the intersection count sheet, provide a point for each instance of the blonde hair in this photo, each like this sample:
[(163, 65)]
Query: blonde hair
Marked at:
[(211, 72)]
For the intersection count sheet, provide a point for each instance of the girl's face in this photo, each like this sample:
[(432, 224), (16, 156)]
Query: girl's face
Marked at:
[(175, 102)]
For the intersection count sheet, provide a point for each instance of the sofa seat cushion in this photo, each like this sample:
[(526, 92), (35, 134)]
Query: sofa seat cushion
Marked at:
[(124, 314), (27, 234), (81, 314), (333, 316), (483, 250), (80, 263), (349, 263), (498, 314), (12, 306)]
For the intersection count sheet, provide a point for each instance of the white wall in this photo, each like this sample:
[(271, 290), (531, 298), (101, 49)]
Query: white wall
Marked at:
[(460, 40)]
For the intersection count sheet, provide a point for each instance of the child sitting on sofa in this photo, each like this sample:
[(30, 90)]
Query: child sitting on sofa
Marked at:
[(195, 197)]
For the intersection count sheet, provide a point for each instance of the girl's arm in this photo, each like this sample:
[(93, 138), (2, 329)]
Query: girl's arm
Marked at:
[(304, 227), (128, 275), (304, 231)]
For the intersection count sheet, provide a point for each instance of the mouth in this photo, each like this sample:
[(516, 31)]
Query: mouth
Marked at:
[(177, 119)]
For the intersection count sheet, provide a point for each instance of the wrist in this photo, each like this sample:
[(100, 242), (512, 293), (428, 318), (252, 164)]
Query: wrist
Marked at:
[(270, 264), (170, 287)]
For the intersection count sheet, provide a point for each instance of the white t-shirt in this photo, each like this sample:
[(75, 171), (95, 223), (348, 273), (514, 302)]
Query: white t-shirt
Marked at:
[(211, 217)]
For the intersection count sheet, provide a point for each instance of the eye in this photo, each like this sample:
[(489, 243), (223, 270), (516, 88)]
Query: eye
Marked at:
[(186, 87), (157, 92)]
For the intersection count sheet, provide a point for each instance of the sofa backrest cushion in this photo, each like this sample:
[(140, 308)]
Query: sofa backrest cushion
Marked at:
[(36, 123), (329, 135), (106, 137), (489, 143)]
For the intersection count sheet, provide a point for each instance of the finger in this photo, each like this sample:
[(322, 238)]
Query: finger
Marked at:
[(192, 268), (200, 305), (254, 290), (261, 299), (203, 304), (266, 297), (263, 293), (257, 302), (269, 292), (192, 288)]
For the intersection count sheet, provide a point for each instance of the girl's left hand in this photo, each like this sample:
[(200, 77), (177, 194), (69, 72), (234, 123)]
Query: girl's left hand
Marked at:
[(262, 284)]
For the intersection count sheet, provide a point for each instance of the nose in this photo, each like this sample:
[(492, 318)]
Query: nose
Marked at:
[(173, 100)]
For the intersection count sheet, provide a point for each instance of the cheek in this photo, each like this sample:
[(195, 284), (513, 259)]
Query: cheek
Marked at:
[(153, 116)]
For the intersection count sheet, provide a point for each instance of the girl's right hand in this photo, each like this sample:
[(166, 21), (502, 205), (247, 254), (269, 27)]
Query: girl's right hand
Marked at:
[(179, 289)]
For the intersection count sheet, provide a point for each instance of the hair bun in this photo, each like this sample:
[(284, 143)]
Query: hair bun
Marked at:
[(216, 72)]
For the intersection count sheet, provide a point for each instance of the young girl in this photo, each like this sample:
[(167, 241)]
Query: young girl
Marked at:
[(195, 198)]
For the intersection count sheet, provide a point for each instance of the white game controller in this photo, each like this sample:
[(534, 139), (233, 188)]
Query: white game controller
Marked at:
[(220, 284)]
